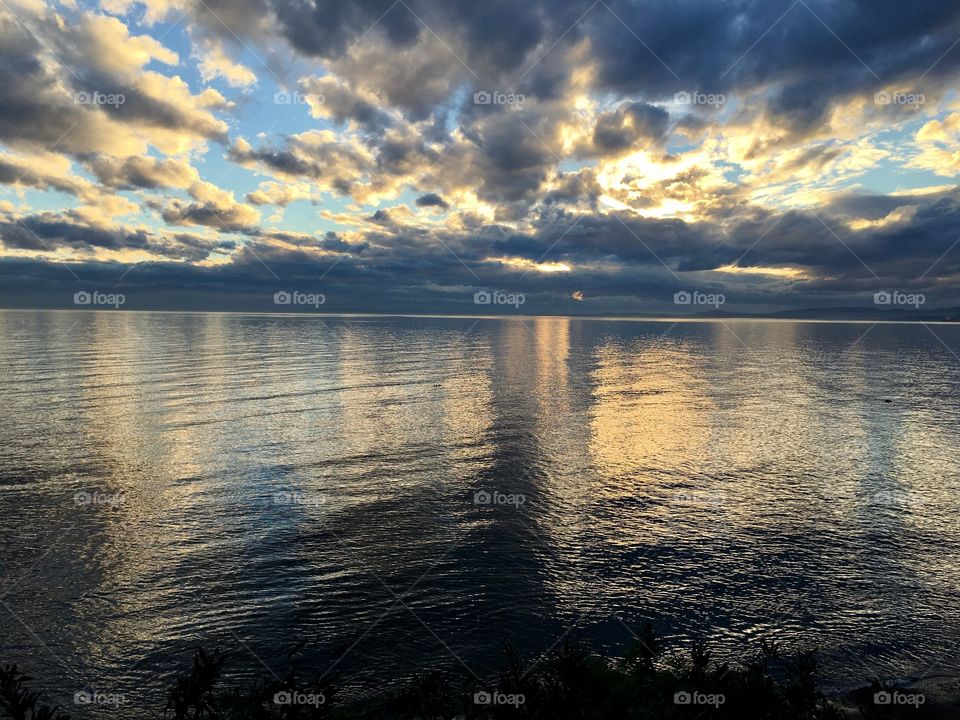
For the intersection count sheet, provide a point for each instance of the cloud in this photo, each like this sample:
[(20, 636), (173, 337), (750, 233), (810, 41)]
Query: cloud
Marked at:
[(432, 200), (215, 63), (622, 128), (83, 89), (86, 236), (46, 171), (281, 194), (319, 156), (143, 172), (333, 98), (107, 47), (601, 144), (214, 208)]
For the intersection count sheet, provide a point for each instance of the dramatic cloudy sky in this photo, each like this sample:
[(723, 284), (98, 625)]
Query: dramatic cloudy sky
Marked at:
[(402, 155)]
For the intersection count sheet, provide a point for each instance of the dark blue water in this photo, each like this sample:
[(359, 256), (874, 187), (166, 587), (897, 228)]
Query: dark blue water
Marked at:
[(252, 482)]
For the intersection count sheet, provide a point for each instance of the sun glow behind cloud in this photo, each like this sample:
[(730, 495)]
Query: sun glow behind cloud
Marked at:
[(520, 263), (775, 272)]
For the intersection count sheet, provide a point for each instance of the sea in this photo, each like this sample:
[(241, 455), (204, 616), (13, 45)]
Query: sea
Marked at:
[(383, 497)]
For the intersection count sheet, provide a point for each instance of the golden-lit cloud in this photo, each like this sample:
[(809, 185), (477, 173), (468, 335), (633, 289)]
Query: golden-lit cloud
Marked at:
[(214, 62), (108, 45)]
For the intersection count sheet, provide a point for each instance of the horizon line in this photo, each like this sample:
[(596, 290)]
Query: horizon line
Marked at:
[(453, 316)]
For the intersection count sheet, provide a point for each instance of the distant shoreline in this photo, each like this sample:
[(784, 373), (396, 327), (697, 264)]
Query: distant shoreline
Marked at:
[(948, 318)]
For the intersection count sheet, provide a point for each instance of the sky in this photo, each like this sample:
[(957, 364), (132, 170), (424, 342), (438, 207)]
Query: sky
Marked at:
[(454, 156)]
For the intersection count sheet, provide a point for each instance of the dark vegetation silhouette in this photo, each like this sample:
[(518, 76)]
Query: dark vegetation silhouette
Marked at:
[(567, 684), (19, 702)]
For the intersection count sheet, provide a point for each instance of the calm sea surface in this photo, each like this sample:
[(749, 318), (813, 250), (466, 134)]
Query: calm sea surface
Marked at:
[(404, 494)]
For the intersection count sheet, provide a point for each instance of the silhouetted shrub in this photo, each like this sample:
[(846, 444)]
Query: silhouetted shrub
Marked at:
[(569, 683), (20, 703)]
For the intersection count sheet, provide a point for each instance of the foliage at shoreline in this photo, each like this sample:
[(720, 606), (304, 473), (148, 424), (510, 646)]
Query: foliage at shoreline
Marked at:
[(569, 683)]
